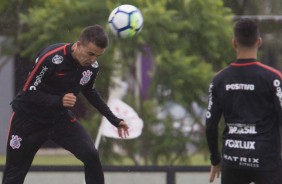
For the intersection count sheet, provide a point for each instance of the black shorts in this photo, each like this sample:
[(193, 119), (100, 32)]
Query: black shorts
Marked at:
[(26, 137), (242, 176)]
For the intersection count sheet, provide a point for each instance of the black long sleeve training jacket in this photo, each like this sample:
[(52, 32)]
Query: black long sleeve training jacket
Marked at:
[(248, 94), (54, 74)]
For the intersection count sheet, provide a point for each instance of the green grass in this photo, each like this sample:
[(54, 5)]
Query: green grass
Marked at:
[(199, 160), (196, 160), (51, 160)]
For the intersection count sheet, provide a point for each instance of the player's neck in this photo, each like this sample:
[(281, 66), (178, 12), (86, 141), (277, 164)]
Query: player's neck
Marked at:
[(73, 48), (245, 54)]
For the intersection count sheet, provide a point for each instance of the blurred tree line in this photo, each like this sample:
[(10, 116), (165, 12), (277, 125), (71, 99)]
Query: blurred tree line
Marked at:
[(188, 40), (270, 26)]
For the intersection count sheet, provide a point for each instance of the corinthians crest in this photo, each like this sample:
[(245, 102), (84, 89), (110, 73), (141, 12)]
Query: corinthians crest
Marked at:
[(15, 142), (86, 77), (57, 59)]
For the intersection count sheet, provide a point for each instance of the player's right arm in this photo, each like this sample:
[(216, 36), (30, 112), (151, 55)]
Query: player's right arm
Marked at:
[(33, 88), (214, 172), (213, 116), (69, 100)]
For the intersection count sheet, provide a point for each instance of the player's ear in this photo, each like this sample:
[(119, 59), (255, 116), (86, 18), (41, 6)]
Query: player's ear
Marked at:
[(234, 43), (78, 43), (259, 42)]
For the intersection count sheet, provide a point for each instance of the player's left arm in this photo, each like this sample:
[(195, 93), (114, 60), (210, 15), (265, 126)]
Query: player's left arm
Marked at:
[(95, 99), (277, 96)]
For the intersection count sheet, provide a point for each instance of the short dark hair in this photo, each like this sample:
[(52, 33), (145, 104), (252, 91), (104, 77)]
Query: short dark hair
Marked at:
[(94, 34), (246, 32)]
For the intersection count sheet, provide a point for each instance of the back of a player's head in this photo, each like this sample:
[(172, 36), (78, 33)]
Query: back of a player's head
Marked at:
[(94, 34), (246, 32)]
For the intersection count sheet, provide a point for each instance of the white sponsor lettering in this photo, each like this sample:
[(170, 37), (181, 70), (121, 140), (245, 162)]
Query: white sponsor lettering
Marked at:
[(208, 114), (248, 164), (238, 128), (276, 84), (247, 87), (249, 145), (38, 78), (243, 161)]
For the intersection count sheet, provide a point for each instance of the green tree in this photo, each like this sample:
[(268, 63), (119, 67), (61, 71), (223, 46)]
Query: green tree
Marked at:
[(270, 25), (11, 27), (189, 40), (198, 43), (254, 7)]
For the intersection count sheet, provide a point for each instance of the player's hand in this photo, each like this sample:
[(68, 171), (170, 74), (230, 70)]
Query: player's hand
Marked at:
[(123, 129), (69, 100), (215, 172)]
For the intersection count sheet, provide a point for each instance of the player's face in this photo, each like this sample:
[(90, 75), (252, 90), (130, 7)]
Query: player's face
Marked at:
[(88, 54)]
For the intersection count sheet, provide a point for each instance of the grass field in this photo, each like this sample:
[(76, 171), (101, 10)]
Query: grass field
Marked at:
[(50, 160), (196, 160)]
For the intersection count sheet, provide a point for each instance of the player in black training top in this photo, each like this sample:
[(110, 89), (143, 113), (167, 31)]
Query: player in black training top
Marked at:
[(41, 110), (248, 94)]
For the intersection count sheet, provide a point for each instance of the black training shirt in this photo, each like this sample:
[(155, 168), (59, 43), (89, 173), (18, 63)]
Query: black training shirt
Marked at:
[(248, 94), (54, 74)]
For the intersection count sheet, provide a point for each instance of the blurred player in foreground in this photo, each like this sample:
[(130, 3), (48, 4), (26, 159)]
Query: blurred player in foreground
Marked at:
[(248, 94), (41, 110)]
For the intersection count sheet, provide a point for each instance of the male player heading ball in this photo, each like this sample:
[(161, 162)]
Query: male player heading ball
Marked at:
[(41, 109)]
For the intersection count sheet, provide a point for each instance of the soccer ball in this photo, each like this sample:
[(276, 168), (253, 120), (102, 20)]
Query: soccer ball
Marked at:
[(125, 21)]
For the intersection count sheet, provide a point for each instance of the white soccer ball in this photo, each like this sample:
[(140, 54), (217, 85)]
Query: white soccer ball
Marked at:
[(126, 21)]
